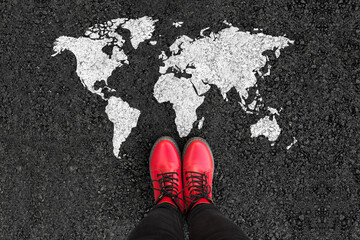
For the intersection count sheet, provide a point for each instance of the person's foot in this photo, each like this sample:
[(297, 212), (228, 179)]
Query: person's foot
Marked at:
[(198, 169), (165, 172)]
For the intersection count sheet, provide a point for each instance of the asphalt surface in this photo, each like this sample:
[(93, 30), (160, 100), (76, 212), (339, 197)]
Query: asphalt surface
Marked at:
[(60, 180)]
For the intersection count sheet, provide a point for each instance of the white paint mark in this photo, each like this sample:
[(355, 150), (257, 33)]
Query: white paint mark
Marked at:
[(277, 53), (244, 107), (228, 59), (201, 123), (163, 56), (124, 119), (175, 48), (92, 63), (292, 144), (266, 127), (267, 72), (273, 111), (141, 29), (202, 31), (257, 92), (180, 92), (106, 30), (255, 105), (227, 23), (177, 24), (252, 105)]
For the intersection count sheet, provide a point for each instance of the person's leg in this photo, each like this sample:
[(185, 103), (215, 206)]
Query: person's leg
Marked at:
[(207, 222), (164, 221)]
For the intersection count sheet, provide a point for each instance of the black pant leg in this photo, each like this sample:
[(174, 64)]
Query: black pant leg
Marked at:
[(206, 222), (164, 221)]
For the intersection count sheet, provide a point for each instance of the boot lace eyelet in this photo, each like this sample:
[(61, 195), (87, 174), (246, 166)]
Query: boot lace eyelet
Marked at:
[(169, 187), (198, 187)]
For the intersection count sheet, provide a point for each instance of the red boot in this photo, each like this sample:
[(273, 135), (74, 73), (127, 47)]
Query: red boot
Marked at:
[(165, 172), (198, 169)]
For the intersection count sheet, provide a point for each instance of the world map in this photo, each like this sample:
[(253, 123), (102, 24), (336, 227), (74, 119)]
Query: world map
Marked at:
[(226, 59)]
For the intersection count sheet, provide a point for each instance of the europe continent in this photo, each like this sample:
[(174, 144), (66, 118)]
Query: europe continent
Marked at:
[(227, 59)]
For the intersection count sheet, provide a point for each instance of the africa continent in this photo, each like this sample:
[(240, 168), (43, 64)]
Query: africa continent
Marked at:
[(227, 59)]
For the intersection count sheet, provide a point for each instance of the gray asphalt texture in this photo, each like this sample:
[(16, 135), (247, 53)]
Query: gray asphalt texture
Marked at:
[(60, 180)]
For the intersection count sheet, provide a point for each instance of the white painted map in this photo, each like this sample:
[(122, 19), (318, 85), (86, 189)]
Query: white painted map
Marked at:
[(227, 59)]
